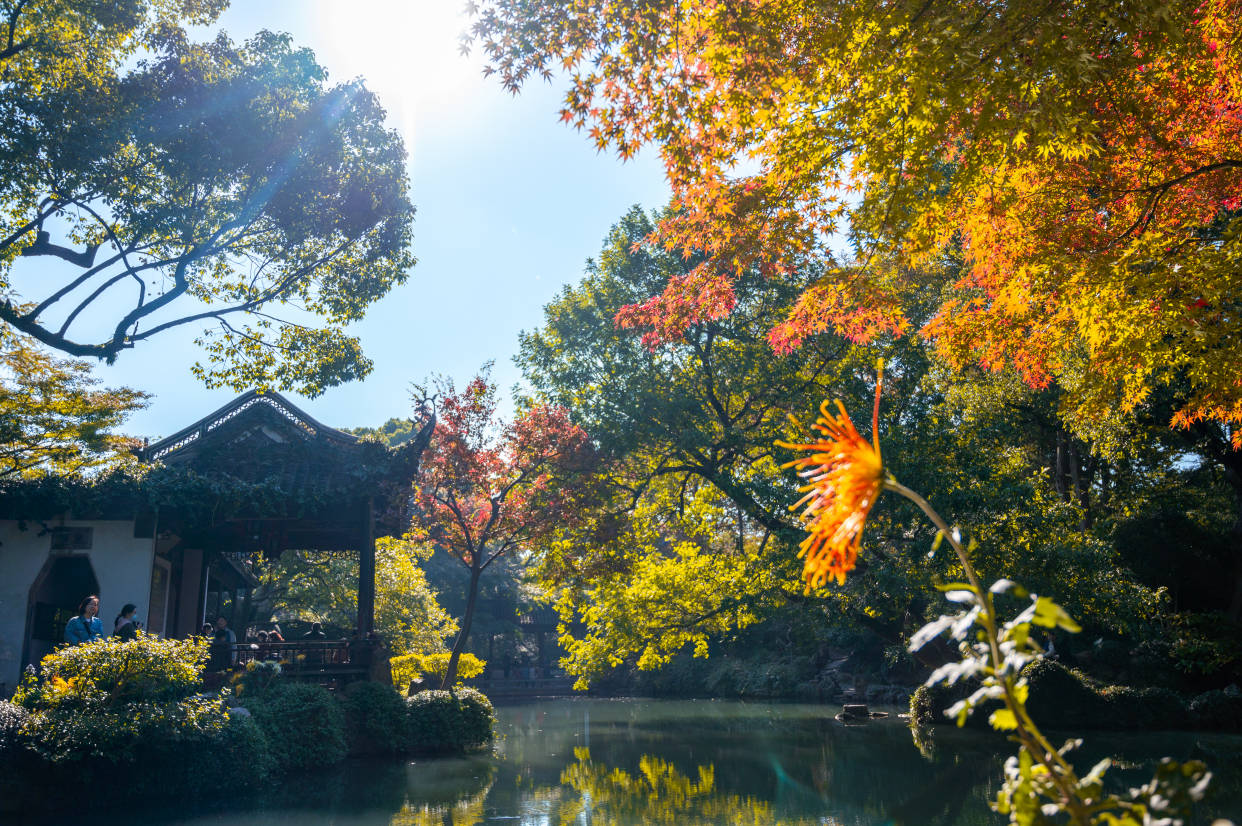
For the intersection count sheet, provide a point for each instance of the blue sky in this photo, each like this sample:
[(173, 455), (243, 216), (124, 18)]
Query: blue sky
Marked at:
[(510, 205)]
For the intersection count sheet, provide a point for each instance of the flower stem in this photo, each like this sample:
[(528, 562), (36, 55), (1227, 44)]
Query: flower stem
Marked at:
[(1030, 737)]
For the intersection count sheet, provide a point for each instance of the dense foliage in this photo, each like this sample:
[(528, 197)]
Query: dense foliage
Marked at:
[(304, 726), (53, 419), (487, 489), (215, 183), (431, 668), (449, 721), (693, 547), (375, 719), (314, 586), (104, 710), (1085, 160), (103, 714)]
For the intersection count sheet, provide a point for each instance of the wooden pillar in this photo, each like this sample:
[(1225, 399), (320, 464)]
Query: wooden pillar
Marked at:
[(366, 572)]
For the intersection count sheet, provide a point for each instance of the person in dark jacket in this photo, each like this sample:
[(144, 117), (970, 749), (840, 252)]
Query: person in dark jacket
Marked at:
[(86, 626), (125, 627)]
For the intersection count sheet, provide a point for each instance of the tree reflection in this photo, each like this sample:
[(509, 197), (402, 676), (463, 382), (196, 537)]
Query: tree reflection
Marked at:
[(657, 793), (446, 793)]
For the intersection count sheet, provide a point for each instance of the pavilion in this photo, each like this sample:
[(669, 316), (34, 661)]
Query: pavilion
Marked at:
[(257, 475)]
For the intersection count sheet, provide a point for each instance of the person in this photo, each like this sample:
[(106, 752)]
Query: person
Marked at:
[(223, 642), (125, 627), (209, 630), (86, 626), (315, 636)]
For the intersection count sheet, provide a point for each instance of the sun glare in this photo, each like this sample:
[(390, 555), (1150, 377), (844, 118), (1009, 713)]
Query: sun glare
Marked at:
[(406, 50)]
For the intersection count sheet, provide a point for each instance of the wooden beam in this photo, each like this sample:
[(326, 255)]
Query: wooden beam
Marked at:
[(366, 573)]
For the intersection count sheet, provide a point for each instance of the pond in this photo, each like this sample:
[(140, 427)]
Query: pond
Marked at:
[(593, 762)]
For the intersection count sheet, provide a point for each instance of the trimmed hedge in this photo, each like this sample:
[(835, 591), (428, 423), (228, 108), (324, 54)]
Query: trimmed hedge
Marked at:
[(1061, 698), (105, 713), (449, 721), (304, 724), (375, 719), (1218, 710)]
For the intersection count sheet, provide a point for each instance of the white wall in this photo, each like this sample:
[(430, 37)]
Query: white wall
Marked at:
[(122, 564)]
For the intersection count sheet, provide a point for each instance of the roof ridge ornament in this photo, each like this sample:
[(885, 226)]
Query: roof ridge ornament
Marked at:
[(290, 412)]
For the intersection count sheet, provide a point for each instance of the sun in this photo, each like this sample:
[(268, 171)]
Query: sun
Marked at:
[(405, 50)]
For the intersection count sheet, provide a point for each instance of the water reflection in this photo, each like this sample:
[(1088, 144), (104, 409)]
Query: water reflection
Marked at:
[(622, 763)]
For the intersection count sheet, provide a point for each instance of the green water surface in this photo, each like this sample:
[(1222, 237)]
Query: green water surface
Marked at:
[(592, 762)]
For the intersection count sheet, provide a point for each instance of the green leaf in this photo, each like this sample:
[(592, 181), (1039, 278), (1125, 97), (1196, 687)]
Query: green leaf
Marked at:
[(1003, 720), (1050, 615)]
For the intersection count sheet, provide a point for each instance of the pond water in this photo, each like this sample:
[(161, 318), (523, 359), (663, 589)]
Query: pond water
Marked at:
[(590, 762)]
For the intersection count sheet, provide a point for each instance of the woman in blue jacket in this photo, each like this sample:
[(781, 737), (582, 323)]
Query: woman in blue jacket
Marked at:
[(86, 626)]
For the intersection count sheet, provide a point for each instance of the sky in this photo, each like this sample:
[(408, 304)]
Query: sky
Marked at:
[(510, 205)]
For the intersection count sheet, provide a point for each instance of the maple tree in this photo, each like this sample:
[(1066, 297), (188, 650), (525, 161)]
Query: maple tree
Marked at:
[(1085, 159), (152, 183), (693, 547), (488, 488)]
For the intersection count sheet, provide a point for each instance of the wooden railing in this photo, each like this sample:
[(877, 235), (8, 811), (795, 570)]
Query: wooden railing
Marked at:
[(314, 660)]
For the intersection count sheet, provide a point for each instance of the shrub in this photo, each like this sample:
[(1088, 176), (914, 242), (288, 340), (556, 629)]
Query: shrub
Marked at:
[(1143, 708), (1218, 710), (1064, 698), (12, 717), (304, 725), (1061, 698), (449, 721), (147, 669), (105, 712), (254, 681), (432, 667), (375, 719), (928, 703)]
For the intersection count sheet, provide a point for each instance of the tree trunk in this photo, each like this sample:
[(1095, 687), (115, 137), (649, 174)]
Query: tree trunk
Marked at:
[(1234, 475), (1059, 476), (463, 636)]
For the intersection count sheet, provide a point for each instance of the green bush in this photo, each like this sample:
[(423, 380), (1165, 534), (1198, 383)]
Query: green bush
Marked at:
[(106, 712), (449, 721), (12, 718), (1218, 710), (304, 725), (254, 681), (121, 733), (1061, 698), (1143, 708), (147, 669), (375, 719), (929, 703), (432, 667)]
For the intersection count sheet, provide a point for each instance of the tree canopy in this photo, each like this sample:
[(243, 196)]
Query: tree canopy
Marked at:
[(1085, 159), (53, 419), (163, 182), (323, 587), (692, 544), (487, 489)]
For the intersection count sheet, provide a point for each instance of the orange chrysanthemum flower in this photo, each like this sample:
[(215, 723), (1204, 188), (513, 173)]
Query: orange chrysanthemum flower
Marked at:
[(844, 478)]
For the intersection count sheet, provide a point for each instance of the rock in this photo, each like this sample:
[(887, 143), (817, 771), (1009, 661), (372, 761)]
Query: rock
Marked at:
[(857, 712)]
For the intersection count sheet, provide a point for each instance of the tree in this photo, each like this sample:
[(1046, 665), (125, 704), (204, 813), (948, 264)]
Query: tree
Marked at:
[(323, 587), (53, 420), (1085, 158), (694, 540), (487, 489), (166, 183)]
